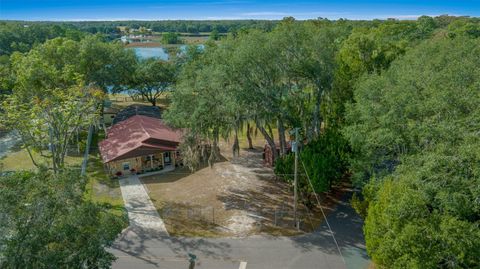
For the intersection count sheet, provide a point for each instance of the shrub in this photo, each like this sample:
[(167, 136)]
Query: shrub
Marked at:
[(325, 160), (284, 167)]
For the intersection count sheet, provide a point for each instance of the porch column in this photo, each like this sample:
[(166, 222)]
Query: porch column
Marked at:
[(151, 161), (163, 161)]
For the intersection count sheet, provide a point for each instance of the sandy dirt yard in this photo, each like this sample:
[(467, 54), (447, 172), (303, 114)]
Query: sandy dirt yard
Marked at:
[(237, 197)]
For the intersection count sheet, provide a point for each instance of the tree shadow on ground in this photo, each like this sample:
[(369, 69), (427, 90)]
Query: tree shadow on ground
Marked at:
[(191, 220), (140, 243), (346, 226), (177, 174)]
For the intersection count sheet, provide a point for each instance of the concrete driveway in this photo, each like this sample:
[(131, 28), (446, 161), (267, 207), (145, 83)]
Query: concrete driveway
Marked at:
[(140, 248)]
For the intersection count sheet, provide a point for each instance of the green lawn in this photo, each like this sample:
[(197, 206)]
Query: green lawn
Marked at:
[(18, 159), (100, 188)]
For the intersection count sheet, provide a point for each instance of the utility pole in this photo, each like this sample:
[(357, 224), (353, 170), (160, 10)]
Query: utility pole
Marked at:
[(295, 179), (87, 149)]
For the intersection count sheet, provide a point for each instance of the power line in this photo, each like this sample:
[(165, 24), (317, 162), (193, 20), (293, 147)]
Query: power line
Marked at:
[(323, 213)]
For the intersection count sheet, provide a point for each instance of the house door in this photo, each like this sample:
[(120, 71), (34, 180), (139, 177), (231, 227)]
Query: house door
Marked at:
[(167, 157)]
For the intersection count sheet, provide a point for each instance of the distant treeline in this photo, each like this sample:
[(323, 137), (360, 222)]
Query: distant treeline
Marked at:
[(177, 26), (22, 35)]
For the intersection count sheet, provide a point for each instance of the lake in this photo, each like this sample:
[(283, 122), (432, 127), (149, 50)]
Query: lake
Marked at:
[(157, 52), (145, 53)]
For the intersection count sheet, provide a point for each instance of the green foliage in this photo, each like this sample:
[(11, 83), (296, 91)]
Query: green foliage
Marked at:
[(284, 167), (360, 205), (426, 25), (104, 64), (171, 38), (201, 102), (276, 78), (56, 91), (431, 96), (464, 27), (414, 131), (46, 223), (325, 160), (192, 152), (425, 215), (18, 36), (178, 26), (6, 79), (367, 51), (152, 78), (214, 35)]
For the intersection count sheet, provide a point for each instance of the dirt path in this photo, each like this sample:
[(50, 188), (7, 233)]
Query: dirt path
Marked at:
[(239, 197)]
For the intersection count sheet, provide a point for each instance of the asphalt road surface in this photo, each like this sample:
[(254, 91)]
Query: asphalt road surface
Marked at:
[(139, 248)]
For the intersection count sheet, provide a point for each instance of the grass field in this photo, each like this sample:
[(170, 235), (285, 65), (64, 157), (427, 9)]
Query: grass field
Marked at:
[(121, 101), (18, 159), (100, 188)]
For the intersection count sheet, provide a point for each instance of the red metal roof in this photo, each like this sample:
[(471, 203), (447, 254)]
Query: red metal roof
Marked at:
[(137, 136)]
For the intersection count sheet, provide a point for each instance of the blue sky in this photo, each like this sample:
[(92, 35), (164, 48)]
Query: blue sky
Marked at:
[(230, 9)]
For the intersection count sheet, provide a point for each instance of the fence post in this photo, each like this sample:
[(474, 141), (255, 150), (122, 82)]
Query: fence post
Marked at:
[(213, 214), (275, 214)]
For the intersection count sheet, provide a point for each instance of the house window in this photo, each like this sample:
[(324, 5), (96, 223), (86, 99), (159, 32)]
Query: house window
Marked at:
[(126, 166)]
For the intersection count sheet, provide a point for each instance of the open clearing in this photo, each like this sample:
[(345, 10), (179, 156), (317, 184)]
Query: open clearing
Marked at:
[(100, 188), (237, 197)]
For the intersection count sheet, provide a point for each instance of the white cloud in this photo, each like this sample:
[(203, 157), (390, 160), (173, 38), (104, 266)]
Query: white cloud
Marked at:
[(404, 17), (298, 15), (264, 13)]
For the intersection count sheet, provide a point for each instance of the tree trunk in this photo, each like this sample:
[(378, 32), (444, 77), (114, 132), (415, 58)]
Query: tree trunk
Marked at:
[(78, 142), (249, 136), (28, 151), (270, 131), (236, 146), (281, 137), (270, 140), (53, 150), (214, 151)]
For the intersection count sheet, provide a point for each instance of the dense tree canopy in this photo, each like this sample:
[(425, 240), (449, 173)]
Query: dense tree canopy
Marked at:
[(152, 79), (57, 88), (396, 99), (47, 223), (170, 38), (414, 129), (18, 36), (405, 95)]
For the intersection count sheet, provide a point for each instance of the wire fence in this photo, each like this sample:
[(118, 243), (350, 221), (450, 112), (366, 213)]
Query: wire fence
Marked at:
[(279, 217)]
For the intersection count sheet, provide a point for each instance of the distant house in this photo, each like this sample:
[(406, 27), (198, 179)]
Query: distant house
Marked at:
[(140, 144)]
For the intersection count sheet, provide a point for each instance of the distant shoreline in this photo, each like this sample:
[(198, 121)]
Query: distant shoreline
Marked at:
[(145, 45)]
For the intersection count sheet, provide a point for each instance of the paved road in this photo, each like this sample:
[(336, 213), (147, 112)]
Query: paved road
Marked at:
[(140, 248)]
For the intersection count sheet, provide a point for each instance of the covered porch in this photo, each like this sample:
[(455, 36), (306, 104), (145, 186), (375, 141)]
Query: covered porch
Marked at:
[(143, 164)]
